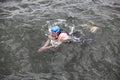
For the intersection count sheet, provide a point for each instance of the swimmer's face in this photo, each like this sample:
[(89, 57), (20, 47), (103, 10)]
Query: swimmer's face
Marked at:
[(54, 35)]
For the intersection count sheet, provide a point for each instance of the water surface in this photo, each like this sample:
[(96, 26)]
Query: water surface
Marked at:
[(24, 23)]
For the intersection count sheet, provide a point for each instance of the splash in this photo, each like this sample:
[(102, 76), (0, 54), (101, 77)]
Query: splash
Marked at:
[(76, 35)]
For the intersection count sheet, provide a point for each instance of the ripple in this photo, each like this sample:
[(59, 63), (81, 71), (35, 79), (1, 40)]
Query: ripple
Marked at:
[(24, 23)]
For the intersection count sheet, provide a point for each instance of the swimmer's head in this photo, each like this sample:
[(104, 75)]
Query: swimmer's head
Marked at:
[(55, 29)]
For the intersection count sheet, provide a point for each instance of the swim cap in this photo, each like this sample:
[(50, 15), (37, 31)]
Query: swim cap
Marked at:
[(63, 36), (55, 29)]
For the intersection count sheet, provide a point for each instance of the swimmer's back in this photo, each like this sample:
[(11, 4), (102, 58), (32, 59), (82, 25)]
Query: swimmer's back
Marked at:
[(63, 36)]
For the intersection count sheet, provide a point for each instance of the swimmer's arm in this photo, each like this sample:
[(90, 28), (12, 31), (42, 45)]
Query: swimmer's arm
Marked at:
[(44, 48), (47, 42), (45, 45), (48, 47)]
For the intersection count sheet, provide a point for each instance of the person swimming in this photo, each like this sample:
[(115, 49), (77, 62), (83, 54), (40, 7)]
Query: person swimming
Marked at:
[(56, 37)]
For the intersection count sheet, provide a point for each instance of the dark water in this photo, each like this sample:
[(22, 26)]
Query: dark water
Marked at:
[(22, 31)]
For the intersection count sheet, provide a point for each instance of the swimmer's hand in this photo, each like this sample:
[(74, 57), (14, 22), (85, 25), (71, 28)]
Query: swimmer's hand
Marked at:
[(41, 49), (47, 47)]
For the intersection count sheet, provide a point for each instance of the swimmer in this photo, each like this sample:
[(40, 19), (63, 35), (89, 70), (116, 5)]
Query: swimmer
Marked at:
[(56, 37)]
